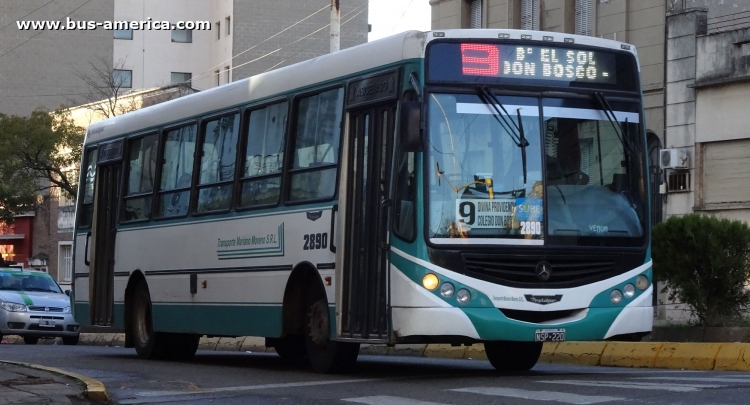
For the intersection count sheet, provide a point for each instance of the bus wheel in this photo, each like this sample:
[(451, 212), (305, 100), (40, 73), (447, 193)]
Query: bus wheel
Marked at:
[(291, 347), (513, 356), (325, 355), (180, 346), (148, 344)]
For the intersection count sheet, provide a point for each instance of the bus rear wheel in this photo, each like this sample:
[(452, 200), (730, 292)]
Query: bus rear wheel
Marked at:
[(291, 347), (513, 356), (325, 355), (148, 344)]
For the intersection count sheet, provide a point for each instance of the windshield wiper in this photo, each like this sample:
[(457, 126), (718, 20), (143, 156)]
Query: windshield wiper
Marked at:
[(38, 289), (515, 131), (607, 109)]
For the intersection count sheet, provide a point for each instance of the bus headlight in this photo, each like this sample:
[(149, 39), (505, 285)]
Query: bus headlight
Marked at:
[(641, 282), (463, 296), (628, 291), (615, 296), (430, 281), (447, 290)]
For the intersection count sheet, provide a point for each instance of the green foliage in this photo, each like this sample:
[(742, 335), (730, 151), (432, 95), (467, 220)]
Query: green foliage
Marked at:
[(36, 153), (706, 263)]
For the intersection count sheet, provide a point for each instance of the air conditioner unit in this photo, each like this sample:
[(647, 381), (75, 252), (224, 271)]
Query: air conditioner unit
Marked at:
[(673, 159)]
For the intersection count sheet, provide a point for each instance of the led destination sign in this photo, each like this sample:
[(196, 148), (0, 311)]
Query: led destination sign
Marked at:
[(483, 61)]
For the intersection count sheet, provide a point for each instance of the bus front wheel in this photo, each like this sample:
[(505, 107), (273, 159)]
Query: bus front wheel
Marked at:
[(325, 355), (513, 356), (148, 344)]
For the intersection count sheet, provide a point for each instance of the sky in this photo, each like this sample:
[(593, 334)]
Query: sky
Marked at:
[(389, 17)]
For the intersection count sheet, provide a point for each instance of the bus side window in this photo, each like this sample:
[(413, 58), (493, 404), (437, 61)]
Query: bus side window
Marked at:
[(141, 172), (88, 182), (316, 146), (176, 172), (264, 156), (404, 218), (219, 152)]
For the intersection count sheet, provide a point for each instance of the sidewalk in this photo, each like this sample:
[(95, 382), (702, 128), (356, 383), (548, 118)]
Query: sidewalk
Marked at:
[(668, 355), (23, 385)]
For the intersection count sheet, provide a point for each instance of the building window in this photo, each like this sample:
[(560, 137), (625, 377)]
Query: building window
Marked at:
[(227, 73), (123, 78), (228, 23), (184, 36), (65, 262), (530, 14), (218, 77), (476, 14), (217, 25), (124, 34), (180, 78), (584, 17)]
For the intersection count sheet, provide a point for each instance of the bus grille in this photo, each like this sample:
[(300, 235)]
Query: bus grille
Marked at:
[(520, 270)]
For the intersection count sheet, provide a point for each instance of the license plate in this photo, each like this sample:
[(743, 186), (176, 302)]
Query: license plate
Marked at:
[(47, 323), (549, 335)]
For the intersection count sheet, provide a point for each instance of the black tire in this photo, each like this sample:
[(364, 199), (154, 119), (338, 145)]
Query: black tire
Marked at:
[(180, 346), (513, 356), (148, 344), (292, 347), (70, 340), (325, 355), (30, 340)]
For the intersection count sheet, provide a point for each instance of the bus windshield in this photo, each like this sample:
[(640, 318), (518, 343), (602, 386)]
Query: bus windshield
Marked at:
[(581, 181)]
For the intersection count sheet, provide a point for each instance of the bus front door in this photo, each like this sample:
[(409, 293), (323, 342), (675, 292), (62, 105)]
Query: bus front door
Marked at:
[(104, 231), (366, 212)]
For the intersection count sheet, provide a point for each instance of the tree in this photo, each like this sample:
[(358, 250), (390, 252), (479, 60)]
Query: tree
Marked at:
[(705, 262), (107, 89), (37, 153)]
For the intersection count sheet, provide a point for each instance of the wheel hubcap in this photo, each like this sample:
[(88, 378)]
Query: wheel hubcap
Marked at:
[(142, 323), (319, 324)]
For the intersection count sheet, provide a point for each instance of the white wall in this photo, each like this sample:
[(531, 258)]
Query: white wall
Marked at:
[(152, 56)]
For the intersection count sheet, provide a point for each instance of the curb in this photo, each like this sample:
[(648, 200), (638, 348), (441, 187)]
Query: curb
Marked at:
[(94, 390), (666, 355)]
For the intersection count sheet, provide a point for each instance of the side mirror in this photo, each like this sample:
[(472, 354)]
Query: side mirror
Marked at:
[(410, 134), (67, 292)]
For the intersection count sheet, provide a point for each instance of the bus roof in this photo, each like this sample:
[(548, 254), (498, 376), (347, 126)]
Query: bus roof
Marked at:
[(403, 46)]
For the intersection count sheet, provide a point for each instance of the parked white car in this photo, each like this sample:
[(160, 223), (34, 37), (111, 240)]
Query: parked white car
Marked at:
[(33, 306)]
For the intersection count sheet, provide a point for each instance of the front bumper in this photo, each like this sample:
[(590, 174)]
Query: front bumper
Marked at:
[(28, 324)]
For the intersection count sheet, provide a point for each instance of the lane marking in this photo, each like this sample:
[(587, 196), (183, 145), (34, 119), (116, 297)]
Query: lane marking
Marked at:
[(728, 379), (389, 400), (250, 387), (563, 397), (636, 385)]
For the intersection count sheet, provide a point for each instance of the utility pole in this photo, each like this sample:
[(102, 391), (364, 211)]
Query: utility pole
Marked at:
[(335, 25)]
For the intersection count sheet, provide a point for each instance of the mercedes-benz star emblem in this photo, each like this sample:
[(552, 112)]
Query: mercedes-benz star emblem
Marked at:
[(543, 271)]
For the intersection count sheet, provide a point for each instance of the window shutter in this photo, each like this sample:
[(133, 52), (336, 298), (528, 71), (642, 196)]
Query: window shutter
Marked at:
[(584, 17), (476, 14), (530, 14)]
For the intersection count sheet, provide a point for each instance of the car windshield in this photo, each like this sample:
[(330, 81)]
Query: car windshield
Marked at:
[(27, 281)]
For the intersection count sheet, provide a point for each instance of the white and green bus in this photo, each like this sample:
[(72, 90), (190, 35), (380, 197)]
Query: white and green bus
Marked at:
[(457, 187)]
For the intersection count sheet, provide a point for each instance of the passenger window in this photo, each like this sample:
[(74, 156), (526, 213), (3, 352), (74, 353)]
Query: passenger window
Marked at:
[(316, 146), (141, 176), (219, 152), (264, 156), (88, 182), (404, 218), (176, 172)]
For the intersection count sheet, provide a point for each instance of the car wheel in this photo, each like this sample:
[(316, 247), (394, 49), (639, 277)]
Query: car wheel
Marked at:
[(325, 355), (30, 340), (513, 356), (148, 344), (70, 340)]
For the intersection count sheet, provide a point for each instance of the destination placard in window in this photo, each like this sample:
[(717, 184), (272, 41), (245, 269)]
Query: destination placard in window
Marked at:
[(484, 213)]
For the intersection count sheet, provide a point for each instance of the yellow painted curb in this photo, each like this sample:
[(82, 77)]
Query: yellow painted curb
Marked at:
[(581, 353), (688, 356), (95, 390), (630, 354), (733, 357)]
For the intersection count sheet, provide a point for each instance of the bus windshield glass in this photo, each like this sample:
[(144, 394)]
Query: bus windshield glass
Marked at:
[(581, 181)]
